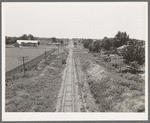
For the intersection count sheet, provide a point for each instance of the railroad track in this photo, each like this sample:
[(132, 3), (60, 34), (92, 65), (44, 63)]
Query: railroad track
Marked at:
[(69, 99), (67, 103)]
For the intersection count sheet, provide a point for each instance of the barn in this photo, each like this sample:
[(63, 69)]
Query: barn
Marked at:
[(28, 42)]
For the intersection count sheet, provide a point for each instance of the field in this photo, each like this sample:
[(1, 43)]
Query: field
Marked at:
[(12, 54)]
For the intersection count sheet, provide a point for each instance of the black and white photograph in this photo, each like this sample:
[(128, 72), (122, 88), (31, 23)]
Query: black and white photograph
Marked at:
[(74, 61)]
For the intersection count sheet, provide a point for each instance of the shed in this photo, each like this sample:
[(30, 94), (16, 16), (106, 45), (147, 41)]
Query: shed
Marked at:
[(120, 49)]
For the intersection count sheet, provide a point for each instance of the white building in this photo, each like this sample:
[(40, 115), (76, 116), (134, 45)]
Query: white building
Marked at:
[(120, 49), (27, 42)]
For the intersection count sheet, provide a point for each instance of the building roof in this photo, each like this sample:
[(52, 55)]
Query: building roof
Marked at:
[(27, 41), (123, 46), (56, 43)]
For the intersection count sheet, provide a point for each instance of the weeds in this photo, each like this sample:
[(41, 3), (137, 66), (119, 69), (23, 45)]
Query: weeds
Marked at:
[(33, 92), (108, 92)]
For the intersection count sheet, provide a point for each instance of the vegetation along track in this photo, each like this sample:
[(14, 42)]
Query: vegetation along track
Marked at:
[(81, 80)]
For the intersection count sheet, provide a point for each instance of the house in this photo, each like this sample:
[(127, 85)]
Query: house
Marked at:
[(28, 42), (120, 49)]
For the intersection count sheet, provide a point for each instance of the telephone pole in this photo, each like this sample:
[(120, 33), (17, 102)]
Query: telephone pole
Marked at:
[(23, 58)]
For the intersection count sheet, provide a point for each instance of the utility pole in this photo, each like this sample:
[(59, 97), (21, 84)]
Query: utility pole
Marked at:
[(23, 64), (120, 64), (45, 55), (58, 48), (23, 58)]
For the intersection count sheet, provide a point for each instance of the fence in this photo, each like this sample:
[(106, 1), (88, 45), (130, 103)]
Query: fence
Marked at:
[(29, 64)]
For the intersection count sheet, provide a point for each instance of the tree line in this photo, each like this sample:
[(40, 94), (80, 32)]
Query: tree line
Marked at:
[(134, 52), (12, 40)]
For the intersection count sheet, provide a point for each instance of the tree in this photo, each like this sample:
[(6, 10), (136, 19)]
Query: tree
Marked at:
[(106, 43), (91, 47), (62, 42), (87, 43), (118, 35), (54, 39), (31, 37), (94, 47), (10, 40), (134, 53), (121, 38), (23, 37), (116, 43), (124, 38)]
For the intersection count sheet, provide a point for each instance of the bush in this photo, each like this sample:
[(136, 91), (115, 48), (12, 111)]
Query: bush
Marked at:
[(107, 59), (107, 52), (87, 43), (134, 53), (114, 51), (63, 61), (94, 47), (115, 65)]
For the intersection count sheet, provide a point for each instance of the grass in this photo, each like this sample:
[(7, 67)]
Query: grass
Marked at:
[(12, 55), (32, 64), (115, 92), (36, 93)]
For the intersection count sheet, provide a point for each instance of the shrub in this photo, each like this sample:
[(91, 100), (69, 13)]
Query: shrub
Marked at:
[(94, 47), (115, 65), (107, 59), (106, 43), (134, 64), (134, 87), (87, 43), (63, 61), (134, 53)]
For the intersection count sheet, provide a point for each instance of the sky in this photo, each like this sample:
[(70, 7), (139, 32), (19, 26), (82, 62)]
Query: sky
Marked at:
[(76, 19)]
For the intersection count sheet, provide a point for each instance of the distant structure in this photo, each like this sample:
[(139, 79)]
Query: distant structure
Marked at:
[(27, 43), (120, 49)]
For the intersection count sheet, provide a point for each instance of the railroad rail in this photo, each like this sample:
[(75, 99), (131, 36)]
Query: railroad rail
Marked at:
[(69, 99), (68, 93)]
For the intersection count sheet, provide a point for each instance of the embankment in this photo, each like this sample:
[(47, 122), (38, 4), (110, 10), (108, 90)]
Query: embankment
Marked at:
[(111, 91)]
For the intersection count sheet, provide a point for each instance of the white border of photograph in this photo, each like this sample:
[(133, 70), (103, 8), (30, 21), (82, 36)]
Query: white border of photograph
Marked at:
[(49, 116)]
